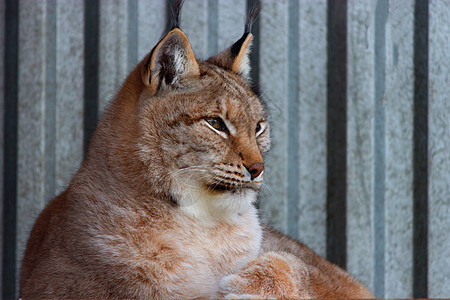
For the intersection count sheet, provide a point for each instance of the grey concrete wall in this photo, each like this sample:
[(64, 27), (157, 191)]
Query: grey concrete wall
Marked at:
[(69, 91), (360, 140), (397, 101), (312, 119), (150, 29), (439, 150), (114, 48), (50, 105), (273, 66), (35, 82), (396, 172), (230, 21)]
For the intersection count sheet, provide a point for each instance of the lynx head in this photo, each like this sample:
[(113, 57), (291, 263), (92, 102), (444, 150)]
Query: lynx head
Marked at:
[(199, 131)]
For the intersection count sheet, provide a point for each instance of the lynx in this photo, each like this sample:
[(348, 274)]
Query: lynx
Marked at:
[(163, 204)]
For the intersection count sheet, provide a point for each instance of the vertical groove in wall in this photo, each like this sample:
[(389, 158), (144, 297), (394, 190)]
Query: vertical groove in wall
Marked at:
[(50, 100), (254, 57), (381, 15), (132, 34), (420, 151), (337, 131), (213, 15), (293, 136), (10, 150), (91, 63)]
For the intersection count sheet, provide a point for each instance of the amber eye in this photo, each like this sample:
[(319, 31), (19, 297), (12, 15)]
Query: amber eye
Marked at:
[(217, 123)]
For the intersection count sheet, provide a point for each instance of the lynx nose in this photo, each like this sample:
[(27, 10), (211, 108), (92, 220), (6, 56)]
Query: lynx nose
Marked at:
[(255, 169)]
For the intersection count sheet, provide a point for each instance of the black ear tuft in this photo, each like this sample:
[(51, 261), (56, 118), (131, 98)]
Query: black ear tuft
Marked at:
[(176, 11), (236, 57), (237, 46), (252, 16)]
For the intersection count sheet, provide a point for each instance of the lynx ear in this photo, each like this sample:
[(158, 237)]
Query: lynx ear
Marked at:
[(170, 61), (236, 57)]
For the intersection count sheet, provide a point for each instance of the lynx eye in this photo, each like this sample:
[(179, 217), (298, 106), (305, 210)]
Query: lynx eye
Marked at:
[(217, 123), (260, 128)]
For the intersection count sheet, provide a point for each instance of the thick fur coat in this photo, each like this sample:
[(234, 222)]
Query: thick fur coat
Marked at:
[(162, 205)]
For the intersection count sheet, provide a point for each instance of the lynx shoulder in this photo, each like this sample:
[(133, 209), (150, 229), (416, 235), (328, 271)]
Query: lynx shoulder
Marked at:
[(162, 205)]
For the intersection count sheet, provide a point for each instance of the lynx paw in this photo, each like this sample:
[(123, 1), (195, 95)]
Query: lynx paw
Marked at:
[(271, 275)]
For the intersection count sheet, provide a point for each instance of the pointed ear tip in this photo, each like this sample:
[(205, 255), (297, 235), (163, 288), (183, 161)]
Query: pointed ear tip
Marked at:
[(248, 40), (177, 30)]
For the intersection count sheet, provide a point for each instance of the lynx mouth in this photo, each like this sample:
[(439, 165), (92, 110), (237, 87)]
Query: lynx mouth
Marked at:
[(220, 187), (224, 187)]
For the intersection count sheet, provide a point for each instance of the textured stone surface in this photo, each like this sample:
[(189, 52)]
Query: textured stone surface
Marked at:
[(360, 134), (31, 123), (273, 66), (398, 104), (439, 150), (312, 118), (69, 91)]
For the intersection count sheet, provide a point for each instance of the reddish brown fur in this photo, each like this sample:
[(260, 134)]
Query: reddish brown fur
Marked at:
[(144, 217), (327, 280)]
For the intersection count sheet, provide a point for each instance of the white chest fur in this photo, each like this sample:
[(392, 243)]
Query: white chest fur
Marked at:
[(214, 235), (224, 245), (208, 207)]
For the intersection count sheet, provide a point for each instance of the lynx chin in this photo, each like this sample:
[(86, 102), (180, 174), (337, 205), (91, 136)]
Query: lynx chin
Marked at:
[(162, 205)]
